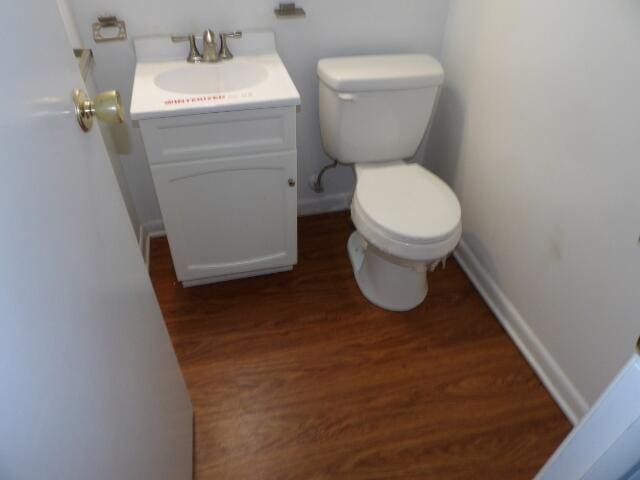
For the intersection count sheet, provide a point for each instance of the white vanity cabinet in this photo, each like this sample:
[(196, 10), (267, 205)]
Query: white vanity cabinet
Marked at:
[(226, 183)]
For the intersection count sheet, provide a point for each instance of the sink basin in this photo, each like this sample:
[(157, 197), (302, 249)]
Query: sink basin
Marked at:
[(165, 85), (211, 79)]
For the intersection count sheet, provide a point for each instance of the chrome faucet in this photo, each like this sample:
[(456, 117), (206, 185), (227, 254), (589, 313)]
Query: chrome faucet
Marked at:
[(194, 55), (209, 49), (210, 52), (225, 53)]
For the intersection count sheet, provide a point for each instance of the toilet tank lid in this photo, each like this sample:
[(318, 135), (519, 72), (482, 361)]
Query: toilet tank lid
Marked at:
[(380, 72)]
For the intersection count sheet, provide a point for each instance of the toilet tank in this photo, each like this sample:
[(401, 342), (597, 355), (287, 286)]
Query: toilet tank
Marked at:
[(376, 108)]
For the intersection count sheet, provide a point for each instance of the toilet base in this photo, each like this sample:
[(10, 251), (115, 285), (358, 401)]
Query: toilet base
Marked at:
[(386, 284)]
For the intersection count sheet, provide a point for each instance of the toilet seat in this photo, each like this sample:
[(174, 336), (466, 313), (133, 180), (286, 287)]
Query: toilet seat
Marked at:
[(406, 211)]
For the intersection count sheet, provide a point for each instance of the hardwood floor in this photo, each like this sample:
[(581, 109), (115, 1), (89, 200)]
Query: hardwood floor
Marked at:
[(297, 376)]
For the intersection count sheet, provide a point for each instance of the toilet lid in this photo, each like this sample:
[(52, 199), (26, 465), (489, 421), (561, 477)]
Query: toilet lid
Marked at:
[(407, 202)]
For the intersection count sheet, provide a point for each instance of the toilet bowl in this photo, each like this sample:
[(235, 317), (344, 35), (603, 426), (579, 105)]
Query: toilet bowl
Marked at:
[(407, 221), (374, 111)]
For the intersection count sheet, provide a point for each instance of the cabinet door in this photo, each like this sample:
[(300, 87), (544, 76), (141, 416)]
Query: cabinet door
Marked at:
[(228, 216)]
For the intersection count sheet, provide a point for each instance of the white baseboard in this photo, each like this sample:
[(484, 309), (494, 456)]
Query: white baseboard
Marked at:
[(324, 204), (149, 230), (554, 379)]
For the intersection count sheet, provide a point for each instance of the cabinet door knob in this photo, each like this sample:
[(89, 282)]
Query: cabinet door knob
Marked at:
[(292, 182)]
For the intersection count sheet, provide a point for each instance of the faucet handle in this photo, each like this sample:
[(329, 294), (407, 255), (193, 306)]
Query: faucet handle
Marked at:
[(225, 53), (194, 54)]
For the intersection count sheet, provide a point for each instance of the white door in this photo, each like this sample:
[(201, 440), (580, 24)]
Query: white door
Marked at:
[(89, 384), (606, 443), (228, 216)]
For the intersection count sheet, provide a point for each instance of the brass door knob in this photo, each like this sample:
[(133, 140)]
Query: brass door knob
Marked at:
[(107, 106)]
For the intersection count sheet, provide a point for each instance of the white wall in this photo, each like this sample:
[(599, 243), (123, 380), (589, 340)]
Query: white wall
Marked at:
[(332, 27), (538, 132)]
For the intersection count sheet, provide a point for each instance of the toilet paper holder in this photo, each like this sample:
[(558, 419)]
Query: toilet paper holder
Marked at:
[(109, 28), (289, 10)]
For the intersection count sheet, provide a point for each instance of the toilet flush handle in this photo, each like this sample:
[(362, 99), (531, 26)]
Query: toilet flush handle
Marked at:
[(347, 97)]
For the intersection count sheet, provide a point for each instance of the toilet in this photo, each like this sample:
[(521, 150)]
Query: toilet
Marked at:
[(374, 112)]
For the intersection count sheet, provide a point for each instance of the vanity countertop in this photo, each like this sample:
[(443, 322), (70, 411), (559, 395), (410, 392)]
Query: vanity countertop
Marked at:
[(166, 85)]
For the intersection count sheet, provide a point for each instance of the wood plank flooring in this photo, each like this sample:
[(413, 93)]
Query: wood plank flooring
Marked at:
[(297, 376)]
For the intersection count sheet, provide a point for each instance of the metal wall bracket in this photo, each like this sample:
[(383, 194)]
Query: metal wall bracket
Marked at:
[(109, 29), (85, 60), (289, 10)]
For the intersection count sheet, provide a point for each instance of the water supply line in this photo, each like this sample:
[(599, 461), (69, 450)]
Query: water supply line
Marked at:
[(315, 182)]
